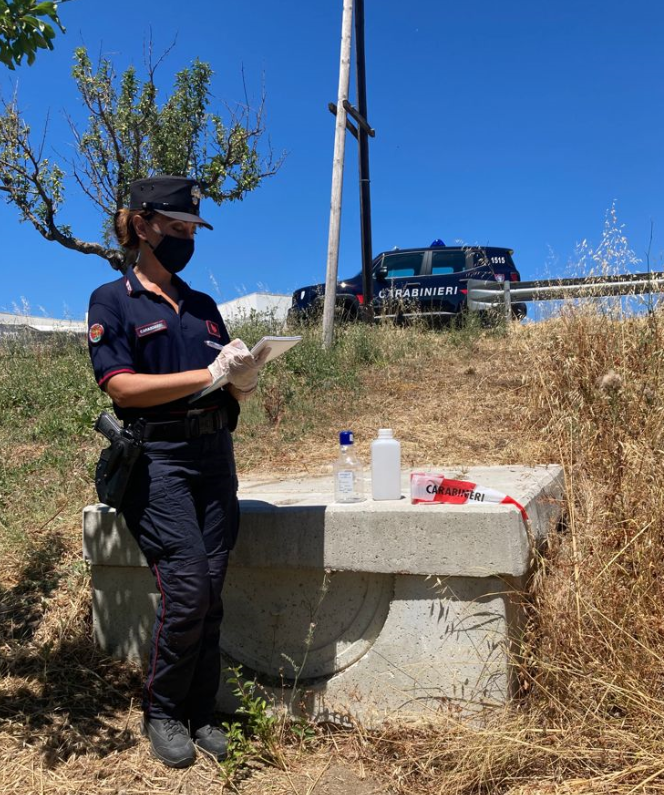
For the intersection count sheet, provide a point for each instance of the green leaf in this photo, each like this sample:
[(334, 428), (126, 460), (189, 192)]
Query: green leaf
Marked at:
[(48, 8), (23, 32), (32, 22)]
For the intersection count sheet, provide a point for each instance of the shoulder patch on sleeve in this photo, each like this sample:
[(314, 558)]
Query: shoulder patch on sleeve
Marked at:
[(95, 333)]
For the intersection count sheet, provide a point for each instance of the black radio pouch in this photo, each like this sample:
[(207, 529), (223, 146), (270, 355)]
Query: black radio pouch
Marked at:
[(115, 465)]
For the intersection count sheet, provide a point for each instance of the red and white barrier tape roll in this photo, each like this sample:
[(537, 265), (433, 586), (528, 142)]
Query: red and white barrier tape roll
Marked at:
[(435, 488)]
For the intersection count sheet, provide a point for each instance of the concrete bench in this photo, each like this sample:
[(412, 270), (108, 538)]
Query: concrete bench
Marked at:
[(354, 612)]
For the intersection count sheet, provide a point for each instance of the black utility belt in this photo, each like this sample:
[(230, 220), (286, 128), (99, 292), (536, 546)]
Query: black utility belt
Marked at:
[(116, 462), (190, 427)]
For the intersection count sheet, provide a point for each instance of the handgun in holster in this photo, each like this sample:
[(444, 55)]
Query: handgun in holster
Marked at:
[(117, 461)]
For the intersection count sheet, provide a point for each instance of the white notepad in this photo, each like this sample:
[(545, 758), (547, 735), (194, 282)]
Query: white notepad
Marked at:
[(277, 346)]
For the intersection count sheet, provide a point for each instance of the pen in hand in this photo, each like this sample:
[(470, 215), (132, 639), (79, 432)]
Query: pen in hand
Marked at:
[(214, 345)]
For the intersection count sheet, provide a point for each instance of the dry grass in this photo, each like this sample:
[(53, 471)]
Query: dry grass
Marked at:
[(586, 390), (592, 714), (451, 400)]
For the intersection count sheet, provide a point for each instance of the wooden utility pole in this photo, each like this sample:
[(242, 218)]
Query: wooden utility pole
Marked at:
[(337, 176)]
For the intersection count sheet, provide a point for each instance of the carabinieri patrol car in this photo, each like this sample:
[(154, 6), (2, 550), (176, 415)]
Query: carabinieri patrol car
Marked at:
[(424, 282)]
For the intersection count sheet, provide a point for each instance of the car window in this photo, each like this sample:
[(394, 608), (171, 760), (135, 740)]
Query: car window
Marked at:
[(403, 264), (493, 258), (447, 262)]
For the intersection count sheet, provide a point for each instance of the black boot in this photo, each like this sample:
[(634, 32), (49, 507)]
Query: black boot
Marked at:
[(213, 740), (170, 741)]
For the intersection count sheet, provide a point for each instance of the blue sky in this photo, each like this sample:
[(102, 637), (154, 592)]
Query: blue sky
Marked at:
[(513, 124)]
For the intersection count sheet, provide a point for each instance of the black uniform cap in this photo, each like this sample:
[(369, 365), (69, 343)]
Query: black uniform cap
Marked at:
[(175, 197)]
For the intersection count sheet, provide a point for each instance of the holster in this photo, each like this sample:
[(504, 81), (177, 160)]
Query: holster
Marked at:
[(115, 466)]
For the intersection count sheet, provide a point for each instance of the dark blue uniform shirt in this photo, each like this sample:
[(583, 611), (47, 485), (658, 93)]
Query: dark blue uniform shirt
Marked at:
[(133, 330)]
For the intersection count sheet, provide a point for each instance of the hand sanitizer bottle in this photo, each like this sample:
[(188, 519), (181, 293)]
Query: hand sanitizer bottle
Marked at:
[(385, 466), (348, 474)]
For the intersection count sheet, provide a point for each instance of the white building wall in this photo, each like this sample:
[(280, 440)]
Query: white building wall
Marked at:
[(38, 323), (273, 305)]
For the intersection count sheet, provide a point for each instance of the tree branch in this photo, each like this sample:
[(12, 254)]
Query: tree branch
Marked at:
[(128, 136)]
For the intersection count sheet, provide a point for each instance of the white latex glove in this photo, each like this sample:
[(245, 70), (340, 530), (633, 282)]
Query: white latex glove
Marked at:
[(240, 368), (221, 365)]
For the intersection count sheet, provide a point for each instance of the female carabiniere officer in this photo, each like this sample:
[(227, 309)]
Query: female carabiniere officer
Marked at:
[(147, 337)]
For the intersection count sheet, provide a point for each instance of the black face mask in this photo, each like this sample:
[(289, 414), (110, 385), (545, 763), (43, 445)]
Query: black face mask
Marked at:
[(173, 252)]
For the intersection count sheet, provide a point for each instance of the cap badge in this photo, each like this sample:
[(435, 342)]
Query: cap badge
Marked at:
[(195, 194), (96, 333)]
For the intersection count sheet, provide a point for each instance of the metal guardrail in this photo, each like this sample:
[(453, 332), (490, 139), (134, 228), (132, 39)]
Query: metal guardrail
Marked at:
[(483, 294)]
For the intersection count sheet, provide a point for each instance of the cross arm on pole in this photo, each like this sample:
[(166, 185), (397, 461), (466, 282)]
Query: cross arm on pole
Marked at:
[(364, 124), (352, 129)]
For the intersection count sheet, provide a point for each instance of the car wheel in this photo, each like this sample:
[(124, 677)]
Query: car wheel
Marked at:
[(519, 311)]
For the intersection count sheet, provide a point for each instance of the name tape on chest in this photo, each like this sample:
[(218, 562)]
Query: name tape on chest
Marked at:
[(151, 328)]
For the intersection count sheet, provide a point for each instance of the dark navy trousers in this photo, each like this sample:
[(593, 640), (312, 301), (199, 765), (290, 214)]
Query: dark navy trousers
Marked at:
[(182, 508)]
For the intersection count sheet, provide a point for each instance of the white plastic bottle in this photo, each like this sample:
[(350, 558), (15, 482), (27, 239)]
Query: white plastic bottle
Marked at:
[(385, 466), (348, 472)]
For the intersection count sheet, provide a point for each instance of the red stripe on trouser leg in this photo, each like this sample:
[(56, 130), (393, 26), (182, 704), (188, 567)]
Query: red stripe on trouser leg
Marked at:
[(157, 636)]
